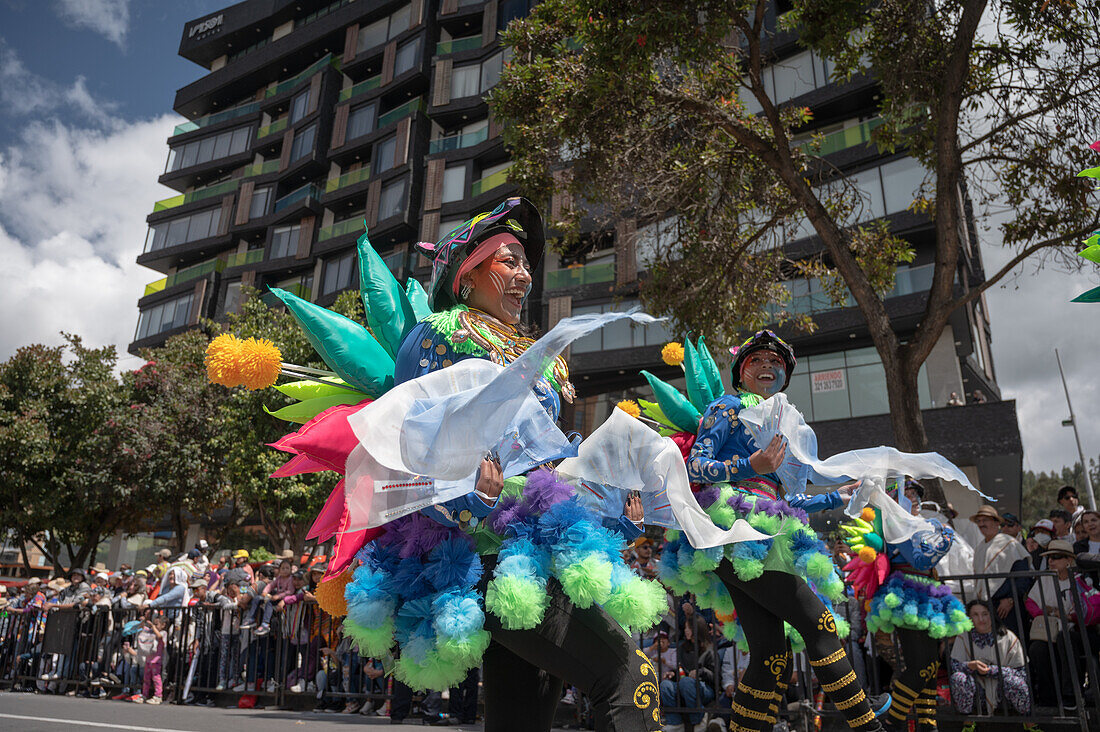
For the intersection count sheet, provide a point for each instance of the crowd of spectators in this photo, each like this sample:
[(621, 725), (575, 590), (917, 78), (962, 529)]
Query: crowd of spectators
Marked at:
[(189, 627)]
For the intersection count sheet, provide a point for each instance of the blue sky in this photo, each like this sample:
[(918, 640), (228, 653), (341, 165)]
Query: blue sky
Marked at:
[(86, 88)]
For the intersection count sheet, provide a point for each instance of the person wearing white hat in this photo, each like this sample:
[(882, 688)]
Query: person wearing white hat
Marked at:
[(995, 553)]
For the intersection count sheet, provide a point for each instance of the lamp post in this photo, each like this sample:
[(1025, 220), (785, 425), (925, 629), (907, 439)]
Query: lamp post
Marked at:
[(1072, 422)]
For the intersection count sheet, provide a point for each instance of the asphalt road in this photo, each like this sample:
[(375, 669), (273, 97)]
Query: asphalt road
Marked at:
[(42, 713)]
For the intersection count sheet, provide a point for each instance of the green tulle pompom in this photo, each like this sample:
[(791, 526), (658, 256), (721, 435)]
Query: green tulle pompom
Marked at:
[(891, 600), (467, 651), (637, 604), (722, 514), (371, 641), (723, 603), (432, 673), (832, 588), (842, 627), (691, 578), (519, 603), (959, 617), (672, 535), (704, 562), (798, 643), (747, 569), (587, 581), (819, 566), (765, 523)]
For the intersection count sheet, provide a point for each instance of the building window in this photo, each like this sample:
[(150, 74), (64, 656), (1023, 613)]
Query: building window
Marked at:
[(230, 142), (261, 200), (299, 107), (396, 261), (454, 183), (338, 273), (392, 200), (468, 81), (621, 333), (303, 142), (509, 10), (384, 153), (284, 241), (406, 57), (380, 31), (446, 227), (360, 121), (201, 225), (165, 316), (232, 297)]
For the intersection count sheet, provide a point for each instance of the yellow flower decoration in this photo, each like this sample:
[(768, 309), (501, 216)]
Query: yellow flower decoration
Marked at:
[(673, 353), (868, 555), (867, 514), (630, 407), (330, 594), (251, 363)]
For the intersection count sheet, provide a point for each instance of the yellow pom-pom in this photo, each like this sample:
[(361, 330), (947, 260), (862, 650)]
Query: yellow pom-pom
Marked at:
[(630, 407), (673, 353), (722, 617), (867, 514), (260, 363), (868, 555), (330, 594), (223, 359)]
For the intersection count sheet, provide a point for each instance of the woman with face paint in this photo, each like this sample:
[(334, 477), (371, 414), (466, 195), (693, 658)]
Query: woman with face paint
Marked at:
[(481, 277), (787, 579)]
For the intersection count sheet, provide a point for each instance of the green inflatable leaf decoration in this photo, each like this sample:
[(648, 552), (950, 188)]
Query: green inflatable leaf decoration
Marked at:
[(302, 412), (714, 376), (653, 411), (1091, 253), (1092, 295), (347, 347), (698, 388), (417, 298), (389, 313), (1089, 173), (306, 389), (682, 413)]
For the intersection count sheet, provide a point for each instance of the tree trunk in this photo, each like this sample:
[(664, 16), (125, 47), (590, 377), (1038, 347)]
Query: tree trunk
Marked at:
[(906, 418)]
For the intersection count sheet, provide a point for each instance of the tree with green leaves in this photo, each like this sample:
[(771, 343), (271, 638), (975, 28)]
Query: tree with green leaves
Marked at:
[(63, 452), (661, 111)]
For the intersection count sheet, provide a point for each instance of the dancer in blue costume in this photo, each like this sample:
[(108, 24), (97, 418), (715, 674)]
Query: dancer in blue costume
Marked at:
[(905, 597), (768, 581)]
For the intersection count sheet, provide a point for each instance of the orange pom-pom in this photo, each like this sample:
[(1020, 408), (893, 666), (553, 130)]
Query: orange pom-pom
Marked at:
[(868, 555), (223, 359), (722, 617), (673, 353), (630, 407), (260, 363), (330, 594), (867, 514)]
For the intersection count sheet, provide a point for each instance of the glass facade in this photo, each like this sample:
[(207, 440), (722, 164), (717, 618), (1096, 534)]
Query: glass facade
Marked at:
[(339, 272), (303, 142), (392, 200), (377, 33), (164, 317), (201, 225), (284, 241), (222, 145), (620, 334)]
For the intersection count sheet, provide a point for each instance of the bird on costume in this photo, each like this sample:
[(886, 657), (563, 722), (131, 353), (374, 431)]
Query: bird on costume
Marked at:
[(454, 541), (903, 595), (786, 581)]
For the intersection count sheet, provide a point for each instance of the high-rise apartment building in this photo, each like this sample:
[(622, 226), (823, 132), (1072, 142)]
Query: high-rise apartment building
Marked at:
[(314, 116)]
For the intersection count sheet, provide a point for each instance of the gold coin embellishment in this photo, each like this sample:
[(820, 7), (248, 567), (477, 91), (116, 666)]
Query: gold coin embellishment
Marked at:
[(441, 349), (465, 515), (426, 343), (447, 362)]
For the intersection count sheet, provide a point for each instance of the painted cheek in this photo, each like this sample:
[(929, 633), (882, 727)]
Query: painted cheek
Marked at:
[(780, 377)]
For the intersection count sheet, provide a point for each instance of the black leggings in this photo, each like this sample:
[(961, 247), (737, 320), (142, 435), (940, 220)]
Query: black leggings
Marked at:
[(914, 685), (763, 604), (524, 669)]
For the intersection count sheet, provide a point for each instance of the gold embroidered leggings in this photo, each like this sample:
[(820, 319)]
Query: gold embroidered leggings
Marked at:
[(763, 604), (914, 685)]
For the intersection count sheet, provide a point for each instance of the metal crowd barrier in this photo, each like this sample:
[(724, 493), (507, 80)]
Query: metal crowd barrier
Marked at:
[(303, 661)]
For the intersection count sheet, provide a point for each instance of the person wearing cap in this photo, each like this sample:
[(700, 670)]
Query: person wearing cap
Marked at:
[(790, 579), (1052, 606), (995, 553), (1010, 524), (240, 562)]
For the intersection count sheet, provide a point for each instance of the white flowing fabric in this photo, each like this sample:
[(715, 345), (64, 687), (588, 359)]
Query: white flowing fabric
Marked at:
[(422, 442), (623, 452), (872, 465)]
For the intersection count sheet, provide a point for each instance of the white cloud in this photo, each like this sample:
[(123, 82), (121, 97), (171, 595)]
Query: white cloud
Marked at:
[(109, 18), (1030, 316), (25, 93), (73, 203)]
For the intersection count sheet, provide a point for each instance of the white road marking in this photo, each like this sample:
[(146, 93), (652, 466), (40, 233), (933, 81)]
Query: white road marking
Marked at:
[(78, 723)]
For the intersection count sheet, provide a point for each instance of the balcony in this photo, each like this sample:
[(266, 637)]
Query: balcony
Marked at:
[(410, 107), (347, 179), (213, 119), (458, 142), (300, 290), (582, 275), (268, 166), (185, 275), (271, 129), (361, 88), (301, 194), (456, 45), (201, 194), (843, 139), (489, 182), (302, 76), (344, 227), (239, 259)]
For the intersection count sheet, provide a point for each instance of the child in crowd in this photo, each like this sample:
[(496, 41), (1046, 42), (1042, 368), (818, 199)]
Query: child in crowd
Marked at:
[(276, 590), (150, 646)]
